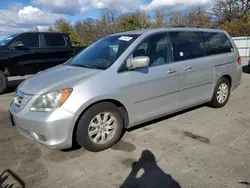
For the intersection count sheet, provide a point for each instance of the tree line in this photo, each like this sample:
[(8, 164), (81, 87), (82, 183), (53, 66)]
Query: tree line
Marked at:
[(230, 15)]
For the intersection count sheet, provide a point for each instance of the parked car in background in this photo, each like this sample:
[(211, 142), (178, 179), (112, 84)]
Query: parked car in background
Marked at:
[(124, 80), (29, 53)]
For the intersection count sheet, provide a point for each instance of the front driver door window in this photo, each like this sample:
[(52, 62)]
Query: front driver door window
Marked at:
[(158, 48), (28, 40)]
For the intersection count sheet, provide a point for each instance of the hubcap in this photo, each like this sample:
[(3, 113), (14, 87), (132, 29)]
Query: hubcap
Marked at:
[(222, 93), (102, 128)]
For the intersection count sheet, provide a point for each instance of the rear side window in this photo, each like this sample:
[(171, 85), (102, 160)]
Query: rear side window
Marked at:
[(29, 40), (216, 43), (186, 45), (54, 40)]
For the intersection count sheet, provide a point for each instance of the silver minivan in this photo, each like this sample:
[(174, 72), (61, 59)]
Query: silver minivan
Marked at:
[(123, 80)]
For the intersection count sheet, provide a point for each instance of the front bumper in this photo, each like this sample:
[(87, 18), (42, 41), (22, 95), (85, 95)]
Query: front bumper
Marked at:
[(53, 129)]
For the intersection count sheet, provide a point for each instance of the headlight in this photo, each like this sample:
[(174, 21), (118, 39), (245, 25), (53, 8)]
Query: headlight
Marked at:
[(50, 101)]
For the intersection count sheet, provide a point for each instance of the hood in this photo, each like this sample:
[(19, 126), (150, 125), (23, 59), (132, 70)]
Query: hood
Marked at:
[(55, 79)]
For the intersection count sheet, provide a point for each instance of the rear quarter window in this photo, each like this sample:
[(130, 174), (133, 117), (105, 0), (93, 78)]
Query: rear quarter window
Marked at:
[(216, 43), (54, 40)]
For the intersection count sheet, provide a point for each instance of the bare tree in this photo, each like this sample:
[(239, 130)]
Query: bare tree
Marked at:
[(143, 18), (227, 10), (175, 18), (159, 18), (36, 29), (86, 31), (198, 17), (50, 29), (108, 22)]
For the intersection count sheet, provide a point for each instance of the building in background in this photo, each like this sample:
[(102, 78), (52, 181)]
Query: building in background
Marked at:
[(243, 45)]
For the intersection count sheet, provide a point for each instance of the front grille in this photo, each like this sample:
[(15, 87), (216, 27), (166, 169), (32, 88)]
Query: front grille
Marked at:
[(20, 100)]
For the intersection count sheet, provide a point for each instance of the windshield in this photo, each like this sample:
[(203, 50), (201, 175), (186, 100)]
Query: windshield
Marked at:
[(7, 39), (103, 53)]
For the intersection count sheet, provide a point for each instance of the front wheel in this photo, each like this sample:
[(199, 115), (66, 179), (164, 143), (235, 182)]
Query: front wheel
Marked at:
[(100, 127), (221, 93), (3, 82)]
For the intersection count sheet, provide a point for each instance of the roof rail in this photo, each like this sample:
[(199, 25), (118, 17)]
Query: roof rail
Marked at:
[(194, 26)]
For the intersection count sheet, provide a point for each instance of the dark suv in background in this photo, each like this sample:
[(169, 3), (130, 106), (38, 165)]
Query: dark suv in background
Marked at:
[(29, 53)]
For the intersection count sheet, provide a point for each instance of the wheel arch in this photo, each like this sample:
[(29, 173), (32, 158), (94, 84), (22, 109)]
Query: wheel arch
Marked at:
[(227, 76), (119, 105)]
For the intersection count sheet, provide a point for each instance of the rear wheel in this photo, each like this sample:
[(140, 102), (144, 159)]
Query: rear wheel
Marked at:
[(221, 93), (3, 82), (100, 127)]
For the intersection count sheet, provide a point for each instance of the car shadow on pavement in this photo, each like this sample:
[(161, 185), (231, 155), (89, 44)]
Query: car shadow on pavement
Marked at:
[(9, 179), (12, 85), (245, 69), (152, 175)]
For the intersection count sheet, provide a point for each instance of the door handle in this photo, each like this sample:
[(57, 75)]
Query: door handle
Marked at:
[(171, 71), (188, 68)]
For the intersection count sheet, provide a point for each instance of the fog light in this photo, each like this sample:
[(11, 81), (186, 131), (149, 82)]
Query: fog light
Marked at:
[(40, 137)]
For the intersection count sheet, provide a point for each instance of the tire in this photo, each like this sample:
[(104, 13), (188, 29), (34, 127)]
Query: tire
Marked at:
[(3, 82), (84, 128), (215, 101)]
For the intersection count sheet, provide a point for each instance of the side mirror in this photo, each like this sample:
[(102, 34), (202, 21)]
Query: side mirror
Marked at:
[(138, 62), (18, 45)]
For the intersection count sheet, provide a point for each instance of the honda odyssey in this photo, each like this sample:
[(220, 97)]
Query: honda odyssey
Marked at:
[(123, 80)]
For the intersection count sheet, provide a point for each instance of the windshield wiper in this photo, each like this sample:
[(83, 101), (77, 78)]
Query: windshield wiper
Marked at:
[(84, 66), (88, 67)]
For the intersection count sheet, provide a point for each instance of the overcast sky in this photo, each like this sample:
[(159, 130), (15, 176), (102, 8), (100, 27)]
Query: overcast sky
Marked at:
[(17, 16)]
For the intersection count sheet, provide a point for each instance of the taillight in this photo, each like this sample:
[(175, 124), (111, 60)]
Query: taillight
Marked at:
[(239, 61)]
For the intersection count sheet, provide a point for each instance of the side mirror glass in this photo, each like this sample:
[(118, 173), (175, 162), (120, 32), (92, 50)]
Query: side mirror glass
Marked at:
[(138, 62)]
